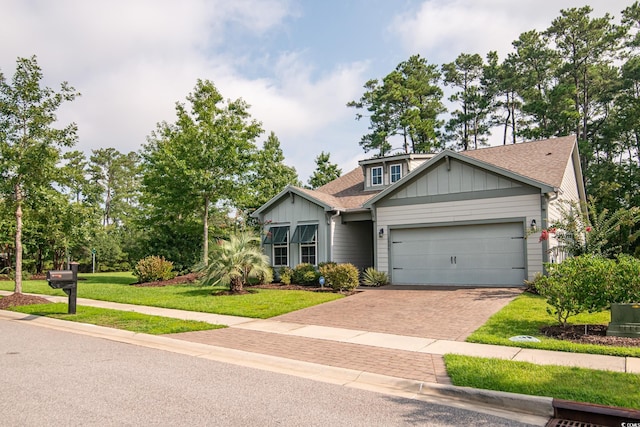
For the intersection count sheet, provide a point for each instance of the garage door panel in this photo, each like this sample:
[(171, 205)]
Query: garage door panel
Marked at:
[(483, 254)]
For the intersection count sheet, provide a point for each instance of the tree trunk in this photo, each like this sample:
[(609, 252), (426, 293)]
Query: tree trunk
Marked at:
[(18, 192), (236, 285), (205, 242)]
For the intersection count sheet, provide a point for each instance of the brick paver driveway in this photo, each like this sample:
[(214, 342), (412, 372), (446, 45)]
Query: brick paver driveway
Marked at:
[(450, 313), (440, 313)]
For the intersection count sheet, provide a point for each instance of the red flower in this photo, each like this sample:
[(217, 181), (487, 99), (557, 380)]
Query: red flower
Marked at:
[(588, 229), (552, 230), (544, 235)]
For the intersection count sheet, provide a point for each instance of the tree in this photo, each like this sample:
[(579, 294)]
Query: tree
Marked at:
[(407, 102), (29, 143), (197, 163), (325, 171), (469, 125), (587, 46), (500, 82), (543, 107), (268, 175), (115, 177), (234, 261)]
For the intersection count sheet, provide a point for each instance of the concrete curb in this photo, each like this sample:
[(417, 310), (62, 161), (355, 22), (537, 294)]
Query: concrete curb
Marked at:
[(533, 409), (534, 405)]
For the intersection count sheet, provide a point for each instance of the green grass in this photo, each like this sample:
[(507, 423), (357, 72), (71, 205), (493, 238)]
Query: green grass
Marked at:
[(261, 303), (526, 314), (127, 320), (577, 384)]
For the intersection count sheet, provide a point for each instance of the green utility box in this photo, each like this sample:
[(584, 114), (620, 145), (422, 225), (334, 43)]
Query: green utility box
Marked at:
[(625, 320)]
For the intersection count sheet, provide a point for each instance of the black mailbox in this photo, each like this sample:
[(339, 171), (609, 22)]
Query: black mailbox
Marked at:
[(60, 279), (67, 280)]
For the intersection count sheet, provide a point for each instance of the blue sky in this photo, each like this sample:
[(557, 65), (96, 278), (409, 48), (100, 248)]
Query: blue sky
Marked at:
[(296, 62)]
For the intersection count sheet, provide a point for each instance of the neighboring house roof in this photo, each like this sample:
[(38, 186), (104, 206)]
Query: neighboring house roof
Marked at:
[(538, 163)]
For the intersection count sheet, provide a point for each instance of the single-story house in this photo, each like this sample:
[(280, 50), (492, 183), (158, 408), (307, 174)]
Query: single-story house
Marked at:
[(453, 218)]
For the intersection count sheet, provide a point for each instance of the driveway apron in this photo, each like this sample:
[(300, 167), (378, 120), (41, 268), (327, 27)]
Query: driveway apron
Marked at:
[(427, 312)]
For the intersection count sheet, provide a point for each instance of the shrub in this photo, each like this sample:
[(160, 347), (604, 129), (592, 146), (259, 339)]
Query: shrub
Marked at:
[(264, 277), (625, 286), (322, 265), (153, 268), (373, 277), (286, 274), (305, 274), (576, 285), (532, 285), (342, 277)]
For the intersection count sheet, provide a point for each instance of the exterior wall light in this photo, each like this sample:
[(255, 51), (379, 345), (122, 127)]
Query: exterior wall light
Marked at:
[(533, 224), (381, 233)]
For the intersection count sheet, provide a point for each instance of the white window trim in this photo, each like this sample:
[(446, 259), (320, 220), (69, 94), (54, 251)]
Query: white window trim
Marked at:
[(381, 176), (310, 245), (391, 180), (280, 245)]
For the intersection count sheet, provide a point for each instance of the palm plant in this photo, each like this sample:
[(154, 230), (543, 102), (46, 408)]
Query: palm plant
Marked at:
[(232, 262)]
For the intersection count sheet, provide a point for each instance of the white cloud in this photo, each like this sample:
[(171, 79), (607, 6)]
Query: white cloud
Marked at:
[(441, 30), (133, 60)]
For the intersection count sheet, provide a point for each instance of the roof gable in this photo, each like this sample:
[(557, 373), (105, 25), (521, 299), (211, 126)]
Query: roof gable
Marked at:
[(548, 161), (450, 176)]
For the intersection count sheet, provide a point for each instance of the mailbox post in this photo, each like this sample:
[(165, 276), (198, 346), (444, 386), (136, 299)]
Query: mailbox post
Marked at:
[(67, 280)]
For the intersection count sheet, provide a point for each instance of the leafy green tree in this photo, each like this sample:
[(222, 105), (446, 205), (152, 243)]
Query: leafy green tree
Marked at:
[(115, 176), (197, 163), (233, 262), (268, 175), (325, 171), (109, 254), (407, 102), (73, 178), (29, 143)]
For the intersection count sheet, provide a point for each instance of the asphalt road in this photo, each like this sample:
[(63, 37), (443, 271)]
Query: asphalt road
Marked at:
[(55, 378)]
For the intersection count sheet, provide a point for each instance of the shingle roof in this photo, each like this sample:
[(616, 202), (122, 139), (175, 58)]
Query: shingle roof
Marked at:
[(346, 192), (544, 160)]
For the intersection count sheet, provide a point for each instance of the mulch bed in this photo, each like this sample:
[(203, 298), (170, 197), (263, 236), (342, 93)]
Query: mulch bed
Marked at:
[(178, 280), (192, 277), (588, 334), (14, 300)]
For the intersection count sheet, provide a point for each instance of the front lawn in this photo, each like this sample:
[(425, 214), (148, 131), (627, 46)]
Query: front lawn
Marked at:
[(526, 314), (115, 287), (126, 320), (577, 384)]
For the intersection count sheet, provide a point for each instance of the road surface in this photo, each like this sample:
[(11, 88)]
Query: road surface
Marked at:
[(57, 378)]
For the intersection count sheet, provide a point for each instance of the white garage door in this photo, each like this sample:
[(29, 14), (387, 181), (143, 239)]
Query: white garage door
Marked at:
[(486, 254)]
